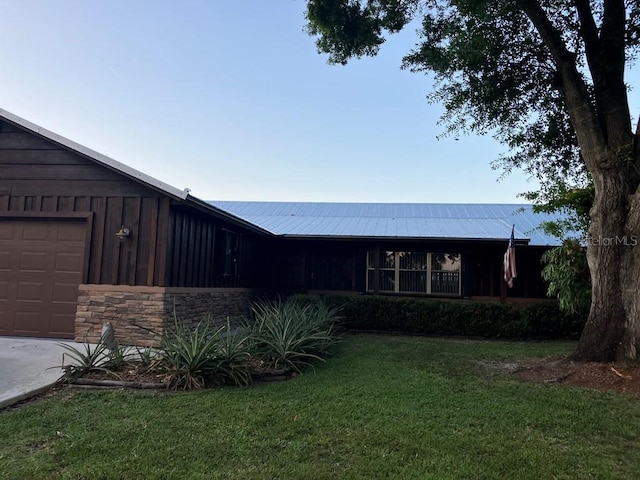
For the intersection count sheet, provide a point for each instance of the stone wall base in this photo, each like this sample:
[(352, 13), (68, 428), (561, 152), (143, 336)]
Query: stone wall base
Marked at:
[(140, 315)]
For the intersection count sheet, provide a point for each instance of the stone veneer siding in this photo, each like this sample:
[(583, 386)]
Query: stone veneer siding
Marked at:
[(136, 311)]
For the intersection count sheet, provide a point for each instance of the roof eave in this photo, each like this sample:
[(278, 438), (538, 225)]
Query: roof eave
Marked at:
[(519, 241)]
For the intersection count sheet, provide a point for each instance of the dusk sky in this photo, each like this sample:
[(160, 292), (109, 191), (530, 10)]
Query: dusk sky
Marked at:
[(231, 99)]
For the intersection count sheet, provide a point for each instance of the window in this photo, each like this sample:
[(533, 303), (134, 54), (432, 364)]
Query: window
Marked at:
[(415, 272)]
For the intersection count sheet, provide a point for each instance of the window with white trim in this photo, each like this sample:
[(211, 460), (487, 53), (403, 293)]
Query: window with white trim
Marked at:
[(415, 272)]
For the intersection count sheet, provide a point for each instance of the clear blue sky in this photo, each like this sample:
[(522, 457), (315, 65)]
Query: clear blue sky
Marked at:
[(230, 99)]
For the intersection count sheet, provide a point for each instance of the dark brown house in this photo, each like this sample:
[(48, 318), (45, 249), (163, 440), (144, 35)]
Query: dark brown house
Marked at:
[(85, 239)]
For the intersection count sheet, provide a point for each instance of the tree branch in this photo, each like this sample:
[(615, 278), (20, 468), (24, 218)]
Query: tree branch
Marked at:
[(605, 54), (581, 111), (588, 28)]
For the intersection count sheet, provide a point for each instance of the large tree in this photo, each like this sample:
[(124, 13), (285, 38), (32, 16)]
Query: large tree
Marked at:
[(545, 77)]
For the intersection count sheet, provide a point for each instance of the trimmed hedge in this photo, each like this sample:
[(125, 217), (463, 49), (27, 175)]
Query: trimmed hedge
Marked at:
[(464, 318)]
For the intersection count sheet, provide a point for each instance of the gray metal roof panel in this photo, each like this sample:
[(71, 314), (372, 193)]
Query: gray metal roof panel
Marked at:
[(399, 220)]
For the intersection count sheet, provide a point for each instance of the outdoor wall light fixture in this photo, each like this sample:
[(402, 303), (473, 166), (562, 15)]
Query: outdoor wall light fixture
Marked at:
[(123, 233)]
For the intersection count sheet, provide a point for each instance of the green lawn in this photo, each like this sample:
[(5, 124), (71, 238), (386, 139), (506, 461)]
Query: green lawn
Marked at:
[(383, 407)]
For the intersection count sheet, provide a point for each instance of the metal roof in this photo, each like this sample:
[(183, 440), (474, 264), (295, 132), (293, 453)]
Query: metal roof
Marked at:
[(395, 220)]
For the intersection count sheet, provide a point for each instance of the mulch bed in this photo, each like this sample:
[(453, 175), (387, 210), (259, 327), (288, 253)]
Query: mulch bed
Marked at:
[(619, 378)]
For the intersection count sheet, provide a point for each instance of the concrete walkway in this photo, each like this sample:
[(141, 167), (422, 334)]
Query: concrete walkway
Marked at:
[(25, 367)]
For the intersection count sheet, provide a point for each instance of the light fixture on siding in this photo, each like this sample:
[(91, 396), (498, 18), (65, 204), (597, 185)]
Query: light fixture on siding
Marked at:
[(123, 233)]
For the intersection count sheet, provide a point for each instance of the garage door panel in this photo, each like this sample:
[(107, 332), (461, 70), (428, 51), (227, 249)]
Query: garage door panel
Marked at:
[(36, 231), (5, 261), (41, 265), (68, 233), (6, 230), (33, 262), (31, 292), (58, 325), (27, 323), (69, 262)]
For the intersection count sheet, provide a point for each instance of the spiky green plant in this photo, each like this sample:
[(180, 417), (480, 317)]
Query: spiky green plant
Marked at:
[(189, 354), (146, 357), (291, 334), (118, 357), (86, 359), (232, 355), (195, 355)]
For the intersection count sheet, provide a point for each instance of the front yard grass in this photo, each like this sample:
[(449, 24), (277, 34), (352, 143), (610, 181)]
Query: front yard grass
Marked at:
[(383, 407)]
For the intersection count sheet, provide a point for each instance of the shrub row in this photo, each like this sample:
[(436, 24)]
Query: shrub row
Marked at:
[(465, 318)]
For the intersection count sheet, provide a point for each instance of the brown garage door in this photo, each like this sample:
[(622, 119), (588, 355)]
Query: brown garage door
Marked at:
[(41, 264)]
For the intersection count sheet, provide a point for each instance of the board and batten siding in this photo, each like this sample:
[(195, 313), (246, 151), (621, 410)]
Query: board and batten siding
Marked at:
[(40, 179), (197, 255)]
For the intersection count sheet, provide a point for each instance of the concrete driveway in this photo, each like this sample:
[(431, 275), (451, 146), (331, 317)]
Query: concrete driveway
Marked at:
[(25, 367)]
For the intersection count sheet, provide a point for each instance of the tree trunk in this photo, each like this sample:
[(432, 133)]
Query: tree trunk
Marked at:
[(630, 267), (611, 331)]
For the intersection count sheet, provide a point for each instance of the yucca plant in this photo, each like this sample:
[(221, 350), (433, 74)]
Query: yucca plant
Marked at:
[(233, 355), (290, 334), (195, 355), (147, 357), (88, 358), (118, 357), (189, 354)]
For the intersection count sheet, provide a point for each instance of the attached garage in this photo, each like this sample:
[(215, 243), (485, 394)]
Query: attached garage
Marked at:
[(86, 240), (41, 265)]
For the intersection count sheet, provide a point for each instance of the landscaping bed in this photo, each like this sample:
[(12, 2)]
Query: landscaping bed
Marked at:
[(621, 378), (280, 339)]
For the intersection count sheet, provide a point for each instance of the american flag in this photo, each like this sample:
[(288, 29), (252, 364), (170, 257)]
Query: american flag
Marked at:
[(510, 260)]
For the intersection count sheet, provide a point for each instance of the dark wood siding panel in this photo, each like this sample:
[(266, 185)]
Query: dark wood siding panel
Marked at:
[(99, 209), (66, 204), (111, 249), (82, 204), (210, 242), (146, 240), (201, 245), (180, 259), (332, 271), (17, 203), (174, 248), (79, 188), (84, 173), (6, 127), (49, 203), (162, 242), (42, 157), (191, 253), (23, 141), (195, 277), (129, 247)]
